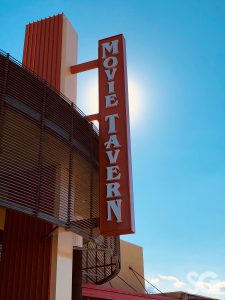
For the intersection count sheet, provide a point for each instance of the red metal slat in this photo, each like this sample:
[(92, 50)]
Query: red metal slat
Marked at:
[(37, 54), (28, 39), (34, 46), (59, 51), (22, 280), (25, 48), (28, 270), (41, 50), (16, 256), (31, 46), (27, 257), (54, 52), (49, 53), (45, 61)]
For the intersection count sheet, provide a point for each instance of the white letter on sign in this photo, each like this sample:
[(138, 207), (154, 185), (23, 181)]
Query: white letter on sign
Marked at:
[(112, 122), (113, 158), (115, 206), (110, 62), (111, 171), (113, 189), (112, 141), (111, 100), (110, 75), (110, 47), (111, 87)]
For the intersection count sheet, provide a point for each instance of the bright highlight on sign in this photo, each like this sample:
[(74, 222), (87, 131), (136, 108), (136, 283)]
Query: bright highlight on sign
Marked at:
[(116, 203)]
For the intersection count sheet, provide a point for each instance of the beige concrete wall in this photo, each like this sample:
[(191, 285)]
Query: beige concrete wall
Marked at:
[(131, 255), (68, 82)]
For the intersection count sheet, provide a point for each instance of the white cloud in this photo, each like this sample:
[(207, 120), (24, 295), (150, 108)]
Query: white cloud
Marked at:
[(175, 281), (154, 280), (212, 288), (206, 284)]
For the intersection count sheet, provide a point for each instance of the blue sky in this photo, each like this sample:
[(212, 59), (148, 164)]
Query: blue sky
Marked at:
[(176, 69)]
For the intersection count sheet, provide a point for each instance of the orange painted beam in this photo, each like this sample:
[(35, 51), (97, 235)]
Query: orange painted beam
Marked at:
[(84, 67), (94, 117)]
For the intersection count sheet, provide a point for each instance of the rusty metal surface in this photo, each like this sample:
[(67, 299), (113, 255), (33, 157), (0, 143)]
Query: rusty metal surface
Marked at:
[(49, 163)]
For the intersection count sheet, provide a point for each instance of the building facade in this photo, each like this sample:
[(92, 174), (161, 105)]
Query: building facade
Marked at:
[(48, 173)]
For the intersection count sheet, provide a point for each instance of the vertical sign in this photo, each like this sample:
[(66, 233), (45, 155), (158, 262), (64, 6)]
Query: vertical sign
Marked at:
[(116, 199)]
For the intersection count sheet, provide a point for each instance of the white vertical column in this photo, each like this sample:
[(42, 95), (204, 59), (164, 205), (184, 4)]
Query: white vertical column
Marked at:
[(66, 241), (68, 82), (63, 240)]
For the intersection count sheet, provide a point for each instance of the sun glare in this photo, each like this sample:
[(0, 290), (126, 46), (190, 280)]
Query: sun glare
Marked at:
[(90, 96), (134, 101), (89, 100)]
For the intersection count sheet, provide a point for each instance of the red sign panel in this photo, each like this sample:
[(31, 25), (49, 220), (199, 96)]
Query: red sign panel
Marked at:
[(116, 199)]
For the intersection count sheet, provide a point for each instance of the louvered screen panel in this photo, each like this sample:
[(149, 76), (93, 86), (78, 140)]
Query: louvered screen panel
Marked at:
[(49, 162)]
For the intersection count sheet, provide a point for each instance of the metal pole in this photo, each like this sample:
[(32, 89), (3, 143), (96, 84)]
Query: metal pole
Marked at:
[(40, 152), (70, 169)]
